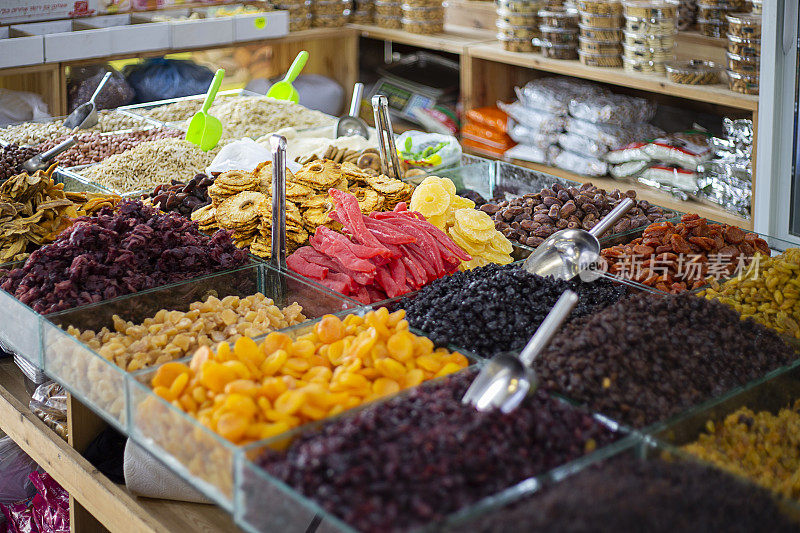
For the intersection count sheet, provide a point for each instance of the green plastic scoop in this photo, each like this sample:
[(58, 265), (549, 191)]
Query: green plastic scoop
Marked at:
[(206, 130), (283, 90)]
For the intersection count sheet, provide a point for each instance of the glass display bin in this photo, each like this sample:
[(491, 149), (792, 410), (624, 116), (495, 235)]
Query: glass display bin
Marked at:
[(100, 384)]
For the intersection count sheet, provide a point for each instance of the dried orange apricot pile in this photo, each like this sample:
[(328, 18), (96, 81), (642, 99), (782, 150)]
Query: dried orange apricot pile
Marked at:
[(253, 392), (472, 230)]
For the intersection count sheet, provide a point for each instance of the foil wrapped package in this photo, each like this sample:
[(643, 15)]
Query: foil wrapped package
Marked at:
[(738, 130), (728, 191)]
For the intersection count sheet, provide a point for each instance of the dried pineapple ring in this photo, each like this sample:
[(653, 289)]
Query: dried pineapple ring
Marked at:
[(439, 221), (474, 219), (430, 199), (483, 236), (447, 183), (471, 247), (459, 202), (496, 257), (500, 243)]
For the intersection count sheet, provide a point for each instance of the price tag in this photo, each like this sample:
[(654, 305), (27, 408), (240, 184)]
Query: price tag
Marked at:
[(260, 23)]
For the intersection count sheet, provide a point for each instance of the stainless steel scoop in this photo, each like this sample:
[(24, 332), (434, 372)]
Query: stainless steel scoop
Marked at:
[(352, 124), (568, 252), (85, 115), (42, 161), (507, 379)]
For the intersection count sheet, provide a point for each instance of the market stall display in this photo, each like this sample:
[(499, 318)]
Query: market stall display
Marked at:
[(181, 197), (35, 133), (517, 25), (96, 147)]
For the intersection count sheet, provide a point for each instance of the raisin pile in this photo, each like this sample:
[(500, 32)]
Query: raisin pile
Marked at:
[(496, 308), (416, 458), (628, 494), (647, 358), (117, 253)]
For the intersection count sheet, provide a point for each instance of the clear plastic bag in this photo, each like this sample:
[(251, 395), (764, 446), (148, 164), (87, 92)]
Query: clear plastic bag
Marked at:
[(616, 109), (614, 137), (15, 466), (49, 403), (629, 169), (21, 106), (533, 154), (585, 166), (50, 505), (537, 121), (582, 145), (524, 135), (627, 154), (553, 95), (428, 150), (678, 178), (244, 154)]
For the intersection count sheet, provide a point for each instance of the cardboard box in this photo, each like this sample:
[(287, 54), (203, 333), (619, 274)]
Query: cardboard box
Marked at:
[(16, 11), (128, 36), (255, 26), (20, 51), (63, 41), (197, 33)]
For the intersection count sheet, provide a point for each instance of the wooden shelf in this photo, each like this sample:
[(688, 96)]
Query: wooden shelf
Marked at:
[(643, 192), (714, 94), (111, 504), (455, 40)]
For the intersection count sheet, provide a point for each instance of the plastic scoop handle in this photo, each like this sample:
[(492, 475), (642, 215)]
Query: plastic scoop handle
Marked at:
[(213, 89), (297, 66)]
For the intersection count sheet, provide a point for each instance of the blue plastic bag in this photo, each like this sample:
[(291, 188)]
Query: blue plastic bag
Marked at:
[(160, 79)]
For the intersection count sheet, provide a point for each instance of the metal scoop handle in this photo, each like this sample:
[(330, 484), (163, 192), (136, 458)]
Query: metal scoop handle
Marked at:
[(100, 87), (549, 327), (610, 219), (390, 164), (278, 255), (63, 146), (355, 103)]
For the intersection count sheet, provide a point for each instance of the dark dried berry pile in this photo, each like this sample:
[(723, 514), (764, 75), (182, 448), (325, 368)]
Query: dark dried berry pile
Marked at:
[(12, 156), (113, 254), (627, 495), (645, 359), (421, 456), (497, 308), (182, 198)]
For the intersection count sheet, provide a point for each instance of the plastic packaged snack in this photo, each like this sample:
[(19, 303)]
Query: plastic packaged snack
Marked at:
[(421, 27), (329, 21), (529, 19), (685, 180), (744, 47), (557, 51), (423, 3), (653, 26), (649, 40), (642, 53), (616, 109), (674, 151), (553, 95), (711, 28), (300, 23), (693, 72), (518, 6), (482, 148), (744, 25), (423, 14), (600, 7), (628, 153), (600, 34), (743, 83), (559, 35), (600, 60), (600, 47), (514, 32), (757, 7), (481, 133), (582, 145), (558, 17), (522, 134), (585, 166), (491, 117), (389, 23), (512, 44), (387, 9), (535, 120), (651, 8), (329, 7), (642, 66), (628, 170), (534, 154), (744, 64), (614, 137), (601, 21), (713, 12)]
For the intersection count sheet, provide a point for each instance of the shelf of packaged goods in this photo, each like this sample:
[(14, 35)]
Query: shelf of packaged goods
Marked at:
[(96, 496), (715, 94), (454, 40), (643, 192)]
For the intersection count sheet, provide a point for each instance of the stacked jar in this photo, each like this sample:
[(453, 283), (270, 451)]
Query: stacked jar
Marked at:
[(362, 12), (558, 27), (757, 7), (388, 14), (601, 32), (423, 16), (650, 29), (712, 15), (744, 52), (329, 13), (299, 13), (517, 24)]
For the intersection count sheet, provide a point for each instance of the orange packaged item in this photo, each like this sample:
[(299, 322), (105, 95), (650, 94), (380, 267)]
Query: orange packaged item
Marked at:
[(480, 133), (482, 148), (491, 117)]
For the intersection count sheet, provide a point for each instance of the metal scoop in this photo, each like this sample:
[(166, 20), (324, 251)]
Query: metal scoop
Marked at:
[(352, 124), (85, 116), (278, 253), (42, 161), (506, 379), (568, 252), (390, 164)]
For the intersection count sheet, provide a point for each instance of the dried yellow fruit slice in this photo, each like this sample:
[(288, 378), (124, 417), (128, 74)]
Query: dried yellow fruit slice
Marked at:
[(474, 219), (430, 199), (500, 243)]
